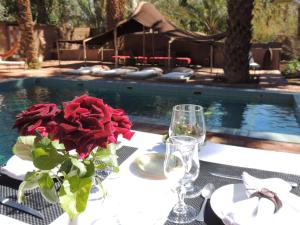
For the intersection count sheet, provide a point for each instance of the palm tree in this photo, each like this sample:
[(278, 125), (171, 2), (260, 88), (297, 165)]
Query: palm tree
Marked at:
[(237, 44), (28, 39), (93, 12), (298, 19), (210, 15), (42, 16), (115, 11)]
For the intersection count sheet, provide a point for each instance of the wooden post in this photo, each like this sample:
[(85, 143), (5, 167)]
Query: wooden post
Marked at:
[(84, 52), (152, 40), (58, 52), (116, 47), (102, 54), (211, 57), (169, 53)]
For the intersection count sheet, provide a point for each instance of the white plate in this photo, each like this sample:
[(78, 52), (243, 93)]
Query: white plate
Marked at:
[(225, 196), (150, 165)]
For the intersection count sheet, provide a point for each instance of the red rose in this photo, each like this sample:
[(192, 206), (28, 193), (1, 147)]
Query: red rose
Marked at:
[(121, 123), (39, 117), (86, 124)]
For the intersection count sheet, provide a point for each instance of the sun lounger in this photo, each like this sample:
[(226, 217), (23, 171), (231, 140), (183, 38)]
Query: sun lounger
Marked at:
[(144, 73), (185, 70), (115, 72), (13, 63), (178, 74), (84, 70), (10, 54)]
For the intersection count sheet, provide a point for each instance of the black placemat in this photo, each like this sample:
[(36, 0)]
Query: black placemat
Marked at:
[(204, 178), (34, 199)]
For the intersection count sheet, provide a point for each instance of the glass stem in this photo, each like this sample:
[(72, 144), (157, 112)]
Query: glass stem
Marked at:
[(188, 186), (180, 206)]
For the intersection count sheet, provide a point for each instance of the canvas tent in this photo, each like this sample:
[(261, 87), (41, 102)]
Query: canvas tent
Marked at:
[(146, 16)]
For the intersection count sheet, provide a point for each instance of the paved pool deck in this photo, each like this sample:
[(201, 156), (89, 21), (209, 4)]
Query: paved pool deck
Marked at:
[(269, 80)]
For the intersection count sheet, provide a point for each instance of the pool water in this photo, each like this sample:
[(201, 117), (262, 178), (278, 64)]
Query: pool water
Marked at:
[(149, 107)]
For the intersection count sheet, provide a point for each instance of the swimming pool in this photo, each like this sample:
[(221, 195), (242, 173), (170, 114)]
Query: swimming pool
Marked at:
[(252, 113)]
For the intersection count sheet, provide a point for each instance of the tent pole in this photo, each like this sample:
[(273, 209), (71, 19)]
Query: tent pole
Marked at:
[(84, 52), (152, 40), (144, 42), (58, 52), (169, 53), (102, 54), (116, 47), (211, 57)]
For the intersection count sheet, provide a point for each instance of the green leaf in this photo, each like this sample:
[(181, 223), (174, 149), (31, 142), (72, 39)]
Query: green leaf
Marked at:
[(102, 153), (80, 166), (57, 145), (74, 194), (24, 147), (47, 188), (30, 182), (66, 166), (112, 148), (43, 142), (90, 168), (107, 155), (45, 156), (103, 165)]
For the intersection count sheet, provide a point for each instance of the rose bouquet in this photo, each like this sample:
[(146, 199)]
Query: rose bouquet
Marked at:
[(66, 146)]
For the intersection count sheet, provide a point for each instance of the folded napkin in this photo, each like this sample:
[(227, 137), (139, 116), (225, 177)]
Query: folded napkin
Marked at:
[(284, 208), (17, 168)]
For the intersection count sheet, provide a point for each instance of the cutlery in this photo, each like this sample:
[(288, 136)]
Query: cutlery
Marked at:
[(7, 202), (206, 193), (293, 184)]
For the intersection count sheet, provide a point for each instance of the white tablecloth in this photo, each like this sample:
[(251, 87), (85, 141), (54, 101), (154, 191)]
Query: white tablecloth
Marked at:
[(135, 200)]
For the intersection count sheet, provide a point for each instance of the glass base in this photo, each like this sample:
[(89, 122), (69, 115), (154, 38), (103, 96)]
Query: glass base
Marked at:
[(183, 214), (192, 191)]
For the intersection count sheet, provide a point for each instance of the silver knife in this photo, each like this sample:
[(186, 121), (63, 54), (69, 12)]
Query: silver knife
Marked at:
[(232, 177), (21, 207)]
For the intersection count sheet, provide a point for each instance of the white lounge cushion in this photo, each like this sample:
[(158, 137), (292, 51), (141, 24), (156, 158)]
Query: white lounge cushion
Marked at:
[(113, 72), (12, 62), (143, 74), (175, 76), (157, 69), (84, 70), (183, 70)]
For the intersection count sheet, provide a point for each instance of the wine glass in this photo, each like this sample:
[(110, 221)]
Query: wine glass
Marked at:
[(188, 119), (177, 164)]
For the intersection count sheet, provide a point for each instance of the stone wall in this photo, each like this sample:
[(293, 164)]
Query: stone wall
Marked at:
[(46, 37), (267, 55)]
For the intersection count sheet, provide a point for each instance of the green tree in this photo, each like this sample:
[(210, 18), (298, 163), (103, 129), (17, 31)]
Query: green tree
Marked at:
[(272, 19), (93, 12), (208, 16)]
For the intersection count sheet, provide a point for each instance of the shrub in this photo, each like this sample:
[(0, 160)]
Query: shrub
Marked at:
[(291, 68)]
